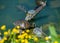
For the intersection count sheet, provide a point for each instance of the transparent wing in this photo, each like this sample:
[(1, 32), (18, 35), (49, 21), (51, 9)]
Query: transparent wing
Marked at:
[(22, 8)]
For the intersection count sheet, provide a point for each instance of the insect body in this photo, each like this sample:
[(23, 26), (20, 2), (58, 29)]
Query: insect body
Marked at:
[(32, 13), (23, 24)]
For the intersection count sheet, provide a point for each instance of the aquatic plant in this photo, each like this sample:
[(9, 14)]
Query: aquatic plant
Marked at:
[(13, 35)]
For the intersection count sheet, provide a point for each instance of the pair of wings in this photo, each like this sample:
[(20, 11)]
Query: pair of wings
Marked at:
[(22, 8), (52, 4)]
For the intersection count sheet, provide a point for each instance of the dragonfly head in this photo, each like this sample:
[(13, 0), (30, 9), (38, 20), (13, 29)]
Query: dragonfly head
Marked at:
[(30, 15)]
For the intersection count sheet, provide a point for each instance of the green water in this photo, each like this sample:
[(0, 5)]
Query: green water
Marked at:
[(9, 13)]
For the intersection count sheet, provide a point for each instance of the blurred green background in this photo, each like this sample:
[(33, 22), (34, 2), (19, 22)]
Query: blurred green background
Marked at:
[(9, 13)]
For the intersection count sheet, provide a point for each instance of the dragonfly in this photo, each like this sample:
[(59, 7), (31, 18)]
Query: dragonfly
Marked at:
[(30, 14), (24, 24)]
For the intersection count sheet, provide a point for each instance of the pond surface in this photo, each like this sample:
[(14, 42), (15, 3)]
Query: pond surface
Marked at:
[(9, 13)]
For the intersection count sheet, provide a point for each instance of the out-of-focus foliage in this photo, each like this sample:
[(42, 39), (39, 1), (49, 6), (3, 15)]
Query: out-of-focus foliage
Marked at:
[(14, 36)]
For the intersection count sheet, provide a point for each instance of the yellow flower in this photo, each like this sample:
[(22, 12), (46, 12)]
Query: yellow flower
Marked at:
[(19, 36), (23, 31), (26, 36), (15, 30), (3, 27), (6, 33), (46, 38), (55, 41), (27, 31), (30, 37), (5, 38), (35, 39), (26, 41), (2, 41), (16, 40), (22, 41), (22, 36), (18, 27)]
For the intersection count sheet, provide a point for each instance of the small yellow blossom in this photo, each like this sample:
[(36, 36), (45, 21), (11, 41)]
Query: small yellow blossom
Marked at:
[(27, 31), (22, 36), (30, 37), (3, 27), (26, 41), (16, 40), (2, 41), (46, 38), (22, 41), (35, 39), (19, 36), (6, 33), (15, 30), (55, 41), (23, 31), (18, 31), (18, 27), (5, 38), (26, 36)]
